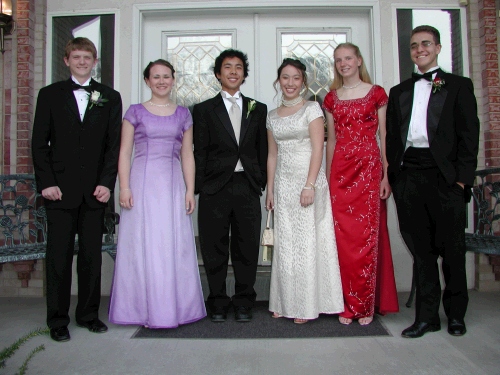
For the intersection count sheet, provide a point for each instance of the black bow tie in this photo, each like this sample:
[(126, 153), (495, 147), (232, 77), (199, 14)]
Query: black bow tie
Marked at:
[(76, 86), (427, 76)]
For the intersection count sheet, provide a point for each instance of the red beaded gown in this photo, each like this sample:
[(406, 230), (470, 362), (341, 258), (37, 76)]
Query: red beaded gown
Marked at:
[(359, 215)]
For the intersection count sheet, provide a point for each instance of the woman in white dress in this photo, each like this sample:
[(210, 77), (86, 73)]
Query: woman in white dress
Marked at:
[(305, 277)]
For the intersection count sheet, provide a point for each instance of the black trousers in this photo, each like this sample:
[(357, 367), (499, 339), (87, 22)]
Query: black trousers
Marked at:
[(432, 222), (236, 208), (62, 227)]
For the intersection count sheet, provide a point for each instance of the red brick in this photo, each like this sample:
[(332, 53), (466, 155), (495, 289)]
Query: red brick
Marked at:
[(23, 66), (23, 91), (23, 134), (28, 83), (25, 40), (490, 47), (23, 108), (493, 90), (489, 12), (492, 144), (23, 143), (492, 135), (489, 4), (490, 38), (491, 56), (492, 81), (488, 30), (23, 32), (23, 99), (23, 74), (23, 161), (23, 152), (22, 24), (23, 117), (24, 57), (24, 169), (492, 153), (494, 107), (492, 64)]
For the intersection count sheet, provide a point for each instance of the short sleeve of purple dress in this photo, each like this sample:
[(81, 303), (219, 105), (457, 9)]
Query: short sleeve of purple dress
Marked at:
[(156, 281)]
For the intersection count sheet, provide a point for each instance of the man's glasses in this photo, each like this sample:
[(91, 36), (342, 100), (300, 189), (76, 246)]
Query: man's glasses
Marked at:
[(425, 43)]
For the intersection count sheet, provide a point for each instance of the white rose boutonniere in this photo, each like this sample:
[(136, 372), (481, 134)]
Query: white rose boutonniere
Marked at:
[(251, 106), (96, 99)]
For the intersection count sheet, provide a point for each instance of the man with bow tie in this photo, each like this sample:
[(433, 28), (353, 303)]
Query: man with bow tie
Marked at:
[(75, 146), (432, 145)]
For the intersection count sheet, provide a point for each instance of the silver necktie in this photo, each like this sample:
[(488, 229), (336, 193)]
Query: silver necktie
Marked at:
[(235, 117)]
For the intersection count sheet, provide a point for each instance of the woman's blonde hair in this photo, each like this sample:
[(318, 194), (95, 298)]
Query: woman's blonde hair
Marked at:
[(338, 80)]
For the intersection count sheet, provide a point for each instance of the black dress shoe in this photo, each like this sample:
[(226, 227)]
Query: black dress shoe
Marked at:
[(218, 316), (59, 334), (418, 329), (94, 325), (456, 327), (242, 314)]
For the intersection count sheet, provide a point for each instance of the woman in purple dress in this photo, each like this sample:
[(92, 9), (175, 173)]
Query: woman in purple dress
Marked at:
[(156, 281)]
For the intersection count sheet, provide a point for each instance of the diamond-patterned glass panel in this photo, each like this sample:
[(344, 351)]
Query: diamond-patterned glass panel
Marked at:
[(315, 50), (193, 58)]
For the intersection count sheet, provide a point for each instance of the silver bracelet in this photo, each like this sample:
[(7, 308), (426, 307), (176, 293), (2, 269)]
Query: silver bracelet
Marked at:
[(307, 188)]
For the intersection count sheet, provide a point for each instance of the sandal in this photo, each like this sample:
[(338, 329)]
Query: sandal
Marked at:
[(345, 321), (300, 321), (365, 321), (277, 315)]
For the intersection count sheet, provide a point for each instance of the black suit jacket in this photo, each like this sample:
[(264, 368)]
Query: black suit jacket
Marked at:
[(216, 151), (452, 127), (76, 155)]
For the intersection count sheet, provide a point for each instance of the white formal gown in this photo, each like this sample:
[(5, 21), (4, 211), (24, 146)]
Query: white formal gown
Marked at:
[(305, 277)]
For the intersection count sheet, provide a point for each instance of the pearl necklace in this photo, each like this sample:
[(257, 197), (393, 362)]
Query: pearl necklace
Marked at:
[(158, 105), (352, 87), (291, 103)]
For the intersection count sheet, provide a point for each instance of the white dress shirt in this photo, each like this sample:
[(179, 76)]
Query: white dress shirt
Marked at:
[(417, 133), (228, 104), (82, 97)]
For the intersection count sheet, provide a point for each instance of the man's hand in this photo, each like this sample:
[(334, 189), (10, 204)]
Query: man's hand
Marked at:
[(52, 193), (461, 184), (102, 193)]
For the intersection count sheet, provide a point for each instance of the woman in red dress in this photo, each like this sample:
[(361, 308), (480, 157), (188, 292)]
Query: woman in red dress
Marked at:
[(357, 171)]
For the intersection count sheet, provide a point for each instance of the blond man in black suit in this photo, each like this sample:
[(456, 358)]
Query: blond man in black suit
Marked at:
[(75, 145)]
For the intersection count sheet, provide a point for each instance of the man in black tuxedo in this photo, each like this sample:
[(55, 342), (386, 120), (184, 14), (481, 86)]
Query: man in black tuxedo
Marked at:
[(230, 149), (75, 146), (432, 144)]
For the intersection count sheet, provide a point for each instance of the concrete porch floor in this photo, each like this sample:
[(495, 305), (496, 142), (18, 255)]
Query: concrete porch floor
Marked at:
[(478, 352)]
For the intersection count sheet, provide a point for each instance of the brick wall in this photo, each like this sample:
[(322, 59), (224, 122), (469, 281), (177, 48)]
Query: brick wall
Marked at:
[(23, 75)]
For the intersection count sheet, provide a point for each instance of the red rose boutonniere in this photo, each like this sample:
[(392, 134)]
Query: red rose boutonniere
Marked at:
[(437, 84)]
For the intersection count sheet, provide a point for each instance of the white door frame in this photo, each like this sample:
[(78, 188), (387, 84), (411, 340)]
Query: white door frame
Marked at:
[(139, 11)]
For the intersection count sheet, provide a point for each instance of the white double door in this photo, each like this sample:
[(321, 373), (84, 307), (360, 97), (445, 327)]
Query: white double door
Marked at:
[(191, 40)]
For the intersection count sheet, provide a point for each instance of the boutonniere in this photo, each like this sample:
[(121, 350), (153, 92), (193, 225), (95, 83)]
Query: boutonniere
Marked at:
[(437, 84), (96, 99), (251, 106)]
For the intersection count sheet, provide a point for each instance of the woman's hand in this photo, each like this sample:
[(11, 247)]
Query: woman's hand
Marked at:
[(385, 188), (190, 203), (269, 201), (307, 197), (126, 199)]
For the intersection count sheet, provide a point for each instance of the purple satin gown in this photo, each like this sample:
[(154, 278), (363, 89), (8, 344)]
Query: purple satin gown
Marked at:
[(156, 280)]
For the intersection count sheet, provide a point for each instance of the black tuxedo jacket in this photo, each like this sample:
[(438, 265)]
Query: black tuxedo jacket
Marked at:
[(76, 155), (216, 151), (452, 127)]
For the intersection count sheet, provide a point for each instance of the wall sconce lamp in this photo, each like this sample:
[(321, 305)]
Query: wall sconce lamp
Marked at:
[(7, 24)]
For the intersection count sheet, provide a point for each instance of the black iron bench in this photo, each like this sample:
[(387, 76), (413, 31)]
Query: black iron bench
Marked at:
[(486, 200), (23, 221)]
